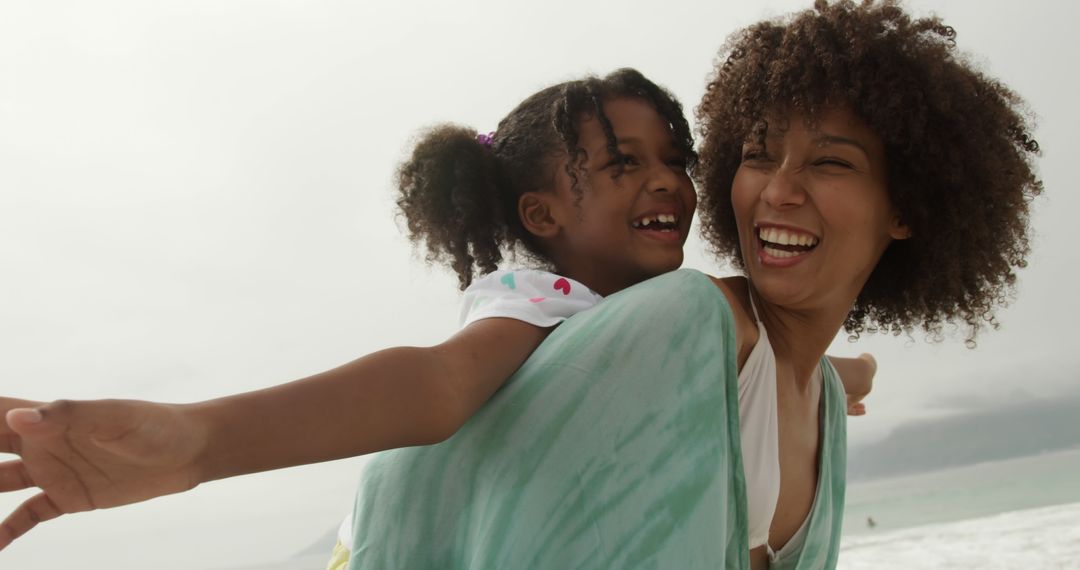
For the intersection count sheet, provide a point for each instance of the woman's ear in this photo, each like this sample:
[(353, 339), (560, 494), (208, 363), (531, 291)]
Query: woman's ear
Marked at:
[(898, 229), (535, 211)]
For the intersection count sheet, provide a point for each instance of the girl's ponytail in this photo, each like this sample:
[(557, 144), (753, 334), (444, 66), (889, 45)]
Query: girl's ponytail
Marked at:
[(448, 191)]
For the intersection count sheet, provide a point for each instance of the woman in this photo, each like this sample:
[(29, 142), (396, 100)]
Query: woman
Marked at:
[(865, 176)]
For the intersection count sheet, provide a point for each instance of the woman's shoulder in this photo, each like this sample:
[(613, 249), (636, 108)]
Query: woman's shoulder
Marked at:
[(697, 291), (682, 290), (733, 291)]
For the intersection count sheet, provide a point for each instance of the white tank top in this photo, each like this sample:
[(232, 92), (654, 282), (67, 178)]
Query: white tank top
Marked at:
[(761, 442)]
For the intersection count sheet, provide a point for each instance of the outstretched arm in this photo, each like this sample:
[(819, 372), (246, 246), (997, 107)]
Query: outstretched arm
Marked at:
[(87, 455), (857, 375)]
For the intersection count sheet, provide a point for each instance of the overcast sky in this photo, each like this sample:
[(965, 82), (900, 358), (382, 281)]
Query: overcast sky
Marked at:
[(195, 200)]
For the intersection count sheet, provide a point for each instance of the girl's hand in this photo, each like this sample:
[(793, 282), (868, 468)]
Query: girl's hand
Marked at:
[(860, 387), (87, 455)]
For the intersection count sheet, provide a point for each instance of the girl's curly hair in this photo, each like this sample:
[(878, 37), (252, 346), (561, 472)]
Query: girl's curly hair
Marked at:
[(958, 147), (459, 193)]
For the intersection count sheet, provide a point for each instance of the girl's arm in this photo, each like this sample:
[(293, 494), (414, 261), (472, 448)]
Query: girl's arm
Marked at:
[(86, 455), (857, 376)]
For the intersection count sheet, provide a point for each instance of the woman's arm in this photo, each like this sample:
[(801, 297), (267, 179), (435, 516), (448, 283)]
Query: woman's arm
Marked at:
[(87, 455)]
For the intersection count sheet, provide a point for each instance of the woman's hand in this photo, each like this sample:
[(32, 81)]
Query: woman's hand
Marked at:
[(87, 455)]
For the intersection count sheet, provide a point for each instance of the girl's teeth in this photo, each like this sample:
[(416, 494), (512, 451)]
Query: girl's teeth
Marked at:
[(660, 218)]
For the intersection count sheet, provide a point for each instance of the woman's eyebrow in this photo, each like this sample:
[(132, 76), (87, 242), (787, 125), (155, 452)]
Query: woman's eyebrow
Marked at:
[(826, 140)]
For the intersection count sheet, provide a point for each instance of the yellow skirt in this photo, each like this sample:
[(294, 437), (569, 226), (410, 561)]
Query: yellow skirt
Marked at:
[(339, 558)]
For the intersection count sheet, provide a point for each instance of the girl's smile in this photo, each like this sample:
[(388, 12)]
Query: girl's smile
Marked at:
[(628, 216)]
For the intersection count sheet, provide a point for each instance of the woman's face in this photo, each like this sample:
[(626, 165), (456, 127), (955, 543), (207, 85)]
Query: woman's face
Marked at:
[(812, 209)]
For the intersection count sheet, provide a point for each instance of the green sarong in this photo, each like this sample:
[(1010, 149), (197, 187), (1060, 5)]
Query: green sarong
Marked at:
[(616, 445)]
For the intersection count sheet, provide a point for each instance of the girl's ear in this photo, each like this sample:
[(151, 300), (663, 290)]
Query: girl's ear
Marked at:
[(535, 211)]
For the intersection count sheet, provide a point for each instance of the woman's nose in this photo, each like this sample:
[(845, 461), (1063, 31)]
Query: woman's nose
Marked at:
[(784, 190)]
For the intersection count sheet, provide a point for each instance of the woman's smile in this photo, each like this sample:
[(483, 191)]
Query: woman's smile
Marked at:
[(783, 246)]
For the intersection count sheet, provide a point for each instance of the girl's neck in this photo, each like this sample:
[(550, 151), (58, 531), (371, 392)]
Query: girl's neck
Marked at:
[(603, 283)]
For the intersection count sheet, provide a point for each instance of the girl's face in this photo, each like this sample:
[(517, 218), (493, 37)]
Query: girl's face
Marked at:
[(631, 215), (812, 209)]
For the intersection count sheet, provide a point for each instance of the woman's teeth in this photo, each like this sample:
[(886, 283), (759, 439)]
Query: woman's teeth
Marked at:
[(780, 236), (668, 220), (781, 253), (783, 243)]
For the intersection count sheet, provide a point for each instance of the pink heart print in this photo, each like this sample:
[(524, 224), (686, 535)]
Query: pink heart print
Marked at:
[(563, 285), (536, 299)]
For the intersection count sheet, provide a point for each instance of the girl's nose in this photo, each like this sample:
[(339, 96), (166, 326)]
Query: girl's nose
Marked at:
[(664, 178)]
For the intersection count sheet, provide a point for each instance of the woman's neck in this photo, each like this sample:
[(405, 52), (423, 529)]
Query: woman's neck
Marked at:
[(800, 337)]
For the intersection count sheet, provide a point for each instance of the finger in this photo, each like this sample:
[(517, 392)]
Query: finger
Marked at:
[(23, 420), (8, 404), (10, 443), (33, 511), (14, 476), (54, 417), (857, 409)]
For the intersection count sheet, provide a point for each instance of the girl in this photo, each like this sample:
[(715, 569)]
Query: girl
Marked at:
[(588, 178)]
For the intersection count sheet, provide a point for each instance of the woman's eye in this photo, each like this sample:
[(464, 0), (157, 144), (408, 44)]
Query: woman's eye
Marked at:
[(833, 162)]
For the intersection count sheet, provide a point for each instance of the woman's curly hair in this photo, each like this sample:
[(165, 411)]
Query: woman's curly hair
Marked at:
[(458, 192), (957, 144)]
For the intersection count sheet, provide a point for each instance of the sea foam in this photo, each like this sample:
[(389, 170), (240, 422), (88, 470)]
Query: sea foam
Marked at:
[(1044, 538)]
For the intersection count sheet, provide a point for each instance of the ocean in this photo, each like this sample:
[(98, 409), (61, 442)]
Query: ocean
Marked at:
[(1016, 514), (1013, 514)]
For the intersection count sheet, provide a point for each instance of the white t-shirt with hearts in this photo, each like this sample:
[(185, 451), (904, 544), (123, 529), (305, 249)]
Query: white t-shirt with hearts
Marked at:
[(536, 297)]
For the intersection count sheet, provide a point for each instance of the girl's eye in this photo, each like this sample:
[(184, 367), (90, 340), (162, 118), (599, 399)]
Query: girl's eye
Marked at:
[(679, 163), (755, 155), (621, 163)]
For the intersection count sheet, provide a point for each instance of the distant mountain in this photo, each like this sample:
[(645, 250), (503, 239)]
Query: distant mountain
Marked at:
[(1024, 428)]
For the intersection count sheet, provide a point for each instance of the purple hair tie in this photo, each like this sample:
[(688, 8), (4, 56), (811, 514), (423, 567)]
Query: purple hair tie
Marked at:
[(487, 139)]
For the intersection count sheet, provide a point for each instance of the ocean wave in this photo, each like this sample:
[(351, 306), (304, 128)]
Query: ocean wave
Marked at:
[(1044, 538)]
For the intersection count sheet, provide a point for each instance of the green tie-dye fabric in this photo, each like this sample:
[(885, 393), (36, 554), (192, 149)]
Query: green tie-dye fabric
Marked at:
[(616, 445)]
